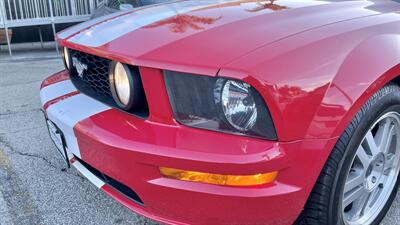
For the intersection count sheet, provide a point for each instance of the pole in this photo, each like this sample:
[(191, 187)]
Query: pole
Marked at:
[(3, 13), (53, 25)]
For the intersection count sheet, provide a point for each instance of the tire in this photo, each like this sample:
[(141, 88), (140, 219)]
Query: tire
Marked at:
[(324, 205)]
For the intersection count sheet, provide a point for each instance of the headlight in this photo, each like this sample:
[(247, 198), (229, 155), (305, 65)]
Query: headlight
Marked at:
[(66, 58), (122, 84), (219, 104), (126, 86), (238, 104)]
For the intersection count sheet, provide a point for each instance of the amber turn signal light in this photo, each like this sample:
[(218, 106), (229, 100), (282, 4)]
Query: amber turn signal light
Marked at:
[(219, 179)]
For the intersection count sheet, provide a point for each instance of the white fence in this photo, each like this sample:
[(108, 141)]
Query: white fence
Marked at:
[(18, 13)]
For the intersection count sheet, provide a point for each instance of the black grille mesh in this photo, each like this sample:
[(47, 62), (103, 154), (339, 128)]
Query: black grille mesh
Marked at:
[(96, 74), (94, 80)]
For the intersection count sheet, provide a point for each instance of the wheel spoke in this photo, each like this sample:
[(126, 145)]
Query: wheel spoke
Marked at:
[(383, 131), (363, 157), (371, 144), (385, 137), (361, 203), (372, 198), (353, 182), (352, 196), (389, 164)]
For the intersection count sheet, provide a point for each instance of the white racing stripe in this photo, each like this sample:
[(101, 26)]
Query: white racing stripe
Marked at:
[(68, 112), (84, 171), (75, 29), (72, 144), (56, 90), (90, 176), (109, 30)]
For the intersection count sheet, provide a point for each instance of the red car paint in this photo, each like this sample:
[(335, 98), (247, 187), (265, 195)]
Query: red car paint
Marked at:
[(314, 62)]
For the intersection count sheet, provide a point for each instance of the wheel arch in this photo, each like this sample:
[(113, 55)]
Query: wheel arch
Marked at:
[(342, 100), (371, 65)]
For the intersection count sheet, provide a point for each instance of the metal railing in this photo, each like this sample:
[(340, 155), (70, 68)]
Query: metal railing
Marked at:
[(19, 13), (35, 12)]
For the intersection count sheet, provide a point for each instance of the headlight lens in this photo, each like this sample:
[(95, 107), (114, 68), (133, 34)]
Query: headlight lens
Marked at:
[(126, 88), (219, 104), (238, 105), (66, 58), (122, 84)]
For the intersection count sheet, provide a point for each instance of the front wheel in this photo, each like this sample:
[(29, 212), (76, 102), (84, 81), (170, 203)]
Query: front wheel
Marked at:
[(361, 176)]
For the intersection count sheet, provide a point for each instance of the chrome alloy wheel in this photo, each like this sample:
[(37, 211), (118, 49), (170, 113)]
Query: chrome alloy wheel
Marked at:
[(373, 172)]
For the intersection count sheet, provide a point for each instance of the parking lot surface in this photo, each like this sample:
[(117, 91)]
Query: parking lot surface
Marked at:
[(35, 187)]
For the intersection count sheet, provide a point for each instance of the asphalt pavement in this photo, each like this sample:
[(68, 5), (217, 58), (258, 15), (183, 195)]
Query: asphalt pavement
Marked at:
[(35, 187)]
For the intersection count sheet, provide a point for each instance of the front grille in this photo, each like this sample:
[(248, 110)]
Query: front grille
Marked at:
[(93, 80), (96, 74)]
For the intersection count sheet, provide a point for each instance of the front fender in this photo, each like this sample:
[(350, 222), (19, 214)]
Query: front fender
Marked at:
[(366, 69)]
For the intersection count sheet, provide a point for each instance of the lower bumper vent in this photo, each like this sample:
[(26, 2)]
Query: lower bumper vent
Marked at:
[(118, 186)]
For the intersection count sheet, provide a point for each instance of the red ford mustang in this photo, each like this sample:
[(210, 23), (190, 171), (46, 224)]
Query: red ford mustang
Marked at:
[(235, 112)]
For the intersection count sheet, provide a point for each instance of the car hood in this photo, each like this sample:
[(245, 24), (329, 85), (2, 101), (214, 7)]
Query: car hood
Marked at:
[(202, 36)]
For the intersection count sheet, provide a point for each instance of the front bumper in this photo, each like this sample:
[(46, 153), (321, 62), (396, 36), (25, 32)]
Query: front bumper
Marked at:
[(131, 150)]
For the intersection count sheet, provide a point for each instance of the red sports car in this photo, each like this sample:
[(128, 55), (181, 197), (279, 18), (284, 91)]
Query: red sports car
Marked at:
[(235, 112)]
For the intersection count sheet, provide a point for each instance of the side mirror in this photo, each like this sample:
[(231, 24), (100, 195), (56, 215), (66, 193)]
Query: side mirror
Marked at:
[(125, 7)]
